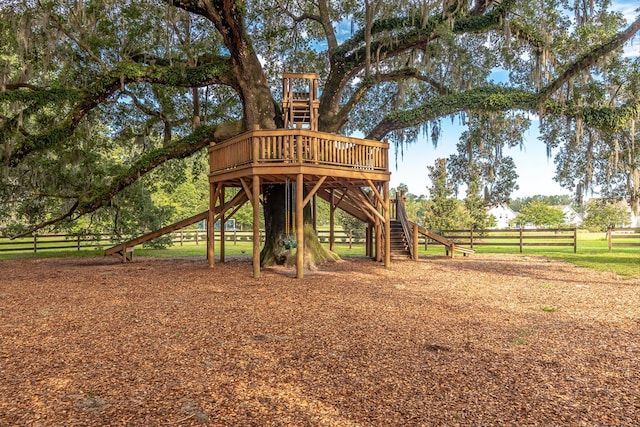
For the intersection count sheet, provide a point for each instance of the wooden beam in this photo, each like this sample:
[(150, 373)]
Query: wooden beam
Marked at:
[(255, 201), (356, 202), (375, 191), (246, 188), (222, 222), (211, 251), (378, 230), (387, 228), (313, 191), (366, 203), (299, 227), (332, 210), (237, 208), (353, 207), (240, 198), (157, 233)]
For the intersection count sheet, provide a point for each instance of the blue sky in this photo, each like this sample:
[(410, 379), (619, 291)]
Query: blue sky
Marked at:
[(535, 170)]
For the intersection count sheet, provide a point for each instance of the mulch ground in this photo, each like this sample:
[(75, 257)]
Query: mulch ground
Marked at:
[(483, 340)]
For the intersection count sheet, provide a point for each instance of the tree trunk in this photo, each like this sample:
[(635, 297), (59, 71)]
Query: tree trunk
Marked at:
[(280, 243), (259, 108)]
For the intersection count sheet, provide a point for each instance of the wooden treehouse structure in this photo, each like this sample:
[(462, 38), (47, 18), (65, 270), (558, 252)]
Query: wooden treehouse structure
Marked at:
[(350, 173)]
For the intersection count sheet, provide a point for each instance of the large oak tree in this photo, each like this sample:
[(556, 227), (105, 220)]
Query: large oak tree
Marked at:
[(95, 95)]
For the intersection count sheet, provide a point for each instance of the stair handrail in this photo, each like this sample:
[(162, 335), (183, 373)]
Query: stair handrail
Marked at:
[(401, 215)]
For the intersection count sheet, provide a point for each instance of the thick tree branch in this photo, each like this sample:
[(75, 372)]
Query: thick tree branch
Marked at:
[(410, 33), (325, 20), (321, 18), (40, 226), (492, 98), (373, 80), (205, 74), (100, 196), (498, 99), (590, 58)]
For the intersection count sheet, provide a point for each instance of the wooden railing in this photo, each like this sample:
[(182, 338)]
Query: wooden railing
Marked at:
[(623, 237), (39, 243), (401, 216), (298, 147), (520, 237)]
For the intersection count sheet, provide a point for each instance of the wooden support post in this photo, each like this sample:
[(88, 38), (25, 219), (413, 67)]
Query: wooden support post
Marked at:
[(575, 240), (314, 211), (222, 224), (299, 226), (415, 242), (378, 240), (387, 226), (332, 210), (255, 201), (366, 240), (211, 252)]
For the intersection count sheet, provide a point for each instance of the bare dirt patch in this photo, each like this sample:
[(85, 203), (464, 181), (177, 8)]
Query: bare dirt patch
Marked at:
[(486, 340)]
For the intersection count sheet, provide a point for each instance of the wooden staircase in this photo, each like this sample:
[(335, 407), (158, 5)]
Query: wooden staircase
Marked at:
[(399, 245)]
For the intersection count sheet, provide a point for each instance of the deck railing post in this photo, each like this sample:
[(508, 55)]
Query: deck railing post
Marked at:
[(255, 146), (298, 148)]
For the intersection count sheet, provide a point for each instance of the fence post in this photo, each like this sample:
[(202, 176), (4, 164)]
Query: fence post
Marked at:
[(609, 238), (35, 243), (575, 240), (349, 239), (181, 237), (234, 236), (471, 238), (415, 242), (521, 239), (78, 242)]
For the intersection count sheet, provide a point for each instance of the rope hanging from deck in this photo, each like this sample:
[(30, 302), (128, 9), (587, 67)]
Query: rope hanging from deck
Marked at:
[(288, 242)]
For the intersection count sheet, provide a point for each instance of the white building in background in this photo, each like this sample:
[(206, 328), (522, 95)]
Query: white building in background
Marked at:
[(634, 219), (503, 215), (571, 217)]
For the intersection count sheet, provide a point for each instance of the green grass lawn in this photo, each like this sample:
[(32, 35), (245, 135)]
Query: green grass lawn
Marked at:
[(593, 252)]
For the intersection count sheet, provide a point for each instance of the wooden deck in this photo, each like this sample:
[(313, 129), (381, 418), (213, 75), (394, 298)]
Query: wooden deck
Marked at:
[(277, 154), (351, 173)]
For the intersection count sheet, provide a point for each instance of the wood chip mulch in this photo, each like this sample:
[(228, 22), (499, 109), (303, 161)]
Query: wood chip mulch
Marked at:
[(482, 340)]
